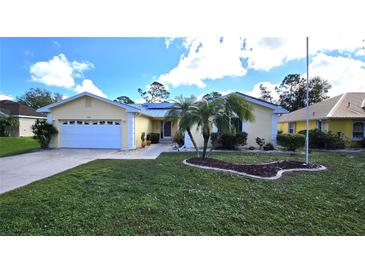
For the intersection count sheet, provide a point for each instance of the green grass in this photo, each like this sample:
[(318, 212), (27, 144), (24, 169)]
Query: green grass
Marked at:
[(163, 197), (17, 145)]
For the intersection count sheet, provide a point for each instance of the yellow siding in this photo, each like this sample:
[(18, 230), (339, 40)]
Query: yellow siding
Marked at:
[(299, 126), (97, 110), (261, 126), (343, 126), (142, 124), (283, 127), (302, 125)]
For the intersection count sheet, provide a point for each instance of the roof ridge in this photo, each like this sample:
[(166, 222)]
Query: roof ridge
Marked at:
[(330, 114)]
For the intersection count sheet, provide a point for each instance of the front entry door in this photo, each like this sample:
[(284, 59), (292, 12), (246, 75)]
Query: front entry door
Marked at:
[(167, 129)]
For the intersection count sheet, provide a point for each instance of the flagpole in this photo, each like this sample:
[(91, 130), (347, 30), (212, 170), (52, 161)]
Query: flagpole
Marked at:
[(307, 106)]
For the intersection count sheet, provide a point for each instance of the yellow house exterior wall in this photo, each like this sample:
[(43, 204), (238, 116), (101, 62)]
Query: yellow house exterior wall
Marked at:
[(334, 125), (260, 127), (343, 126), (299, 126), (25, 126), (142, 124), (96, 110)]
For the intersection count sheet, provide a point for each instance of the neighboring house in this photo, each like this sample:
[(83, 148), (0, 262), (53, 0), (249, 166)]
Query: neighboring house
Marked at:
[(89, 121), (343, 114), (25, 115)]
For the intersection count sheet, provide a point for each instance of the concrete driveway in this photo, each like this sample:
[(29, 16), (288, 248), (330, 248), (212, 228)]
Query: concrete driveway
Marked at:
[(20, 170)]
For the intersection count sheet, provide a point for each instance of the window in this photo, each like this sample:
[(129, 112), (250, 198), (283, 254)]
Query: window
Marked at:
[(95, 122), (101, 122), (110, 122), (72, 122), (291, 127), (79, 122), (117, 123), (65, 123), (86, 123), (358, 130), (236, 124)]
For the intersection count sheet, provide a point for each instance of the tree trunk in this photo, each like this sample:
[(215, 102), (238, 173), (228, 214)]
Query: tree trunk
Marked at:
[(206, 135), (206, 140), (193, 141)]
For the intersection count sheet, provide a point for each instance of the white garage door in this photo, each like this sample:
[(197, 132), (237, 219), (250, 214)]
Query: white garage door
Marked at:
[(90, 134)]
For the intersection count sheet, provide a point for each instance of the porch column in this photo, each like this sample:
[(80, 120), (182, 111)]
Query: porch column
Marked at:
[(131, 131)]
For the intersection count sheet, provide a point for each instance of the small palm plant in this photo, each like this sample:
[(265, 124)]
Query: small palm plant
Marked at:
[(6, 123), (218, 112), (182, 112)]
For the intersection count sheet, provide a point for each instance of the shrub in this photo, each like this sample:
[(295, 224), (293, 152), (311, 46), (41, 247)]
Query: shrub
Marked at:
[(260, 141), (43, 132), (268, 146), (326, 140), (178, 138), (143, 136), (229, 141), (241, 138), (155, 138), (291, 142), (7, 124), (148, 137), (362, 142)]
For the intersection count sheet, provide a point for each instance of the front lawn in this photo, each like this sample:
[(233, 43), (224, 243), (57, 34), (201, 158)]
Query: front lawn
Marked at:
[(16, 145), (164, 197)]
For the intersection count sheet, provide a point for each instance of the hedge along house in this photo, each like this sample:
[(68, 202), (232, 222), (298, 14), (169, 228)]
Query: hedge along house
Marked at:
[(26, 117), (343, 114), (89, 121)]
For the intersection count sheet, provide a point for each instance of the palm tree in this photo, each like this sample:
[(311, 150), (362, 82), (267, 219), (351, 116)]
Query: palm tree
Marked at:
[(6, 123), (182, 112), (218, 112)]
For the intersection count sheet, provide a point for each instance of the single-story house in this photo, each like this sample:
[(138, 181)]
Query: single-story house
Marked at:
[(343, 114), (89, 121), (26, 117)]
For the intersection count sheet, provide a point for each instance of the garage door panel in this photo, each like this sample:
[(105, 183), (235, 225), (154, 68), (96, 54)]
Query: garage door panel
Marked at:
[(90, 136)]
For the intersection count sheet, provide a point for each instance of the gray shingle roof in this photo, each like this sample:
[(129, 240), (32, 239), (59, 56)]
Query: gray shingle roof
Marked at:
[(346, 105), (14, 108)]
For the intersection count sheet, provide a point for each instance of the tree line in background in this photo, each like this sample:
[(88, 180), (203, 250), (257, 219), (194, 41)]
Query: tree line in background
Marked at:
[(292, 92)]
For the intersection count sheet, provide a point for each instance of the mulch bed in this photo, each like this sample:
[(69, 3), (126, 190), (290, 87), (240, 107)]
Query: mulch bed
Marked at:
[(262, 170)]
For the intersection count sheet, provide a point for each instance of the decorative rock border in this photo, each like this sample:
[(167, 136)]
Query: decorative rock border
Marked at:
[(277, 176)]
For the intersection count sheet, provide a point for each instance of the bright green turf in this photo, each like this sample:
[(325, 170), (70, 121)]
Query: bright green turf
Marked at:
[(163, 197), (16, 145)]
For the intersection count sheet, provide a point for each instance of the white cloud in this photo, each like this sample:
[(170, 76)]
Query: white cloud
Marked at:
[(206, 59), (4, 96), (255, 92), (266, 53), (169, 41), (200, 97), (89, 86), (58, 71), (344, 74), (360, 52), (139, 101), (215, 58)]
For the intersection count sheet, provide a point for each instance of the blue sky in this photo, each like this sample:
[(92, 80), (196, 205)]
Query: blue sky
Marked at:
[(119, 66)]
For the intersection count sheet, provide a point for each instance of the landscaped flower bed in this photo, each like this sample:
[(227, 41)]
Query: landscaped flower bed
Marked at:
[(271, 170)]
